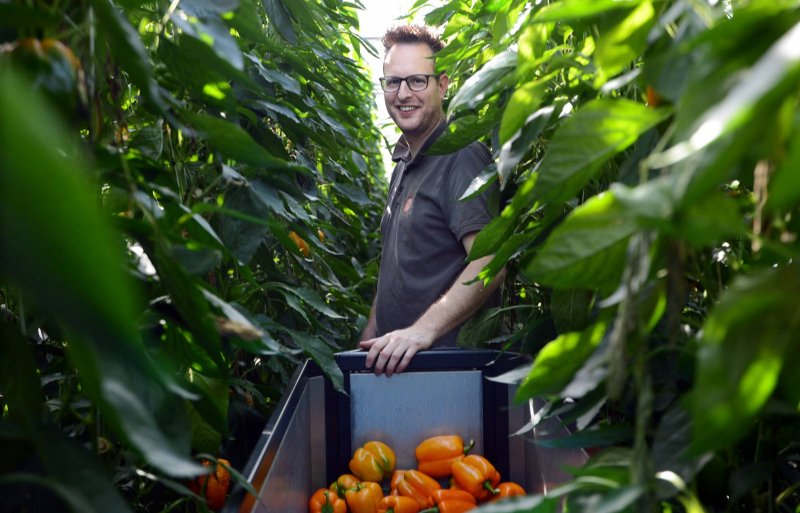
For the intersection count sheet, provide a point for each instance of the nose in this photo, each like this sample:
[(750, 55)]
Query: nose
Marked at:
[(404, 92)]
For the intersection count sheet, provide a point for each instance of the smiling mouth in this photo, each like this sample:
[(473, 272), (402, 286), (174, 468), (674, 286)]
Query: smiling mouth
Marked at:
[(407, 108)]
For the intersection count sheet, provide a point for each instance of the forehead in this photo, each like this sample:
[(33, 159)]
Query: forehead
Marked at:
[(408, 58)]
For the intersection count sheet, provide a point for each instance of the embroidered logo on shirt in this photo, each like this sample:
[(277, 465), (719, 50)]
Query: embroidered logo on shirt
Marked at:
[(407, 205)]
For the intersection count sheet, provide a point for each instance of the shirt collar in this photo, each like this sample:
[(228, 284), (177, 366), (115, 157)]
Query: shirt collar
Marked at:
[(402, 151)]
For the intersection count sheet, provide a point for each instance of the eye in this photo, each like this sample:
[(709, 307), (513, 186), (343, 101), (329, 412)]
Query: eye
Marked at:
[(392, 82), (418, 80)]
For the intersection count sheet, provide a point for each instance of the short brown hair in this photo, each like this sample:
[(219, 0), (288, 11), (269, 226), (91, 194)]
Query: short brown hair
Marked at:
[(410, 34)]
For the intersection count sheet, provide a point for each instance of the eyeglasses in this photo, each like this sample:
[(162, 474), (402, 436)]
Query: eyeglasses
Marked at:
[(414, 82)]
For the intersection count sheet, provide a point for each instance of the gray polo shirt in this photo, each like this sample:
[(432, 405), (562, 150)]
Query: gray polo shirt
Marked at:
[(422, 228)]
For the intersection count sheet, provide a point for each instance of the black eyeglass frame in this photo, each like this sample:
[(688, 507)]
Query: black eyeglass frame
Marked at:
[(382, 81)]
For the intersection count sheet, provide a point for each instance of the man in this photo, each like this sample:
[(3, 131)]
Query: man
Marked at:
[(424, 291)]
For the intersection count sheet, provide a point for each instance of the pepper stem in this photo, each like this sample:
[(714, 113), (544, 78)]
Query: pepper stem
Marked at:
[(492, 489), (468, 447), (434, 509)]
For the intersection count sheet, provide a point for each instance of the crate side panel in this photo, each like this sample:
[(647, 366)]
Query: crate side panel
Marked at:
[(288, 483), (406, 408)]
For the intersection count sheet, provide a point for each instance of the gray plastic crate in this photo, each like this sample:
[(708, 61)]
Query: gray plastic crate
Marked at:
[(312, 434)]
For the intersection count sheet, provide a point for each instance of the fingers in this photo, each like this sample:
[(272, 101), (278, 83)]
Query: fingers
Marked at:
[(387, 354), (407, 357), (393, 351)]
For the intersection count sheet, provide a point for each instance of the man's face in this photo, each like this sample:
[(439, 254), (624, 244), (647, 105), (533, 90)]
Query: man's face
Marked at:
[(416, 113)]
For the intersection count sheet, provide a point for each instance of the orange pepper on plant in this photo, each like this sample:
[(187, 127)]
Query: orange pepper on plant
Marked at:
[(418, 486), (343, 483), (214, 487), (653, 98), (364, 498), (398, 504), (476, 475), (373, 461), (326, 501), (301, 244), (436, 455)]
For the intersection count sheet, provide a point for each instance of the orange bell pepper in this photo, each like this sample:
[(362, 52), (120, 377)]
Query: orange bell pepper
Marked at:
[(364, 498), (436, 454), (326, 501), (477, 476), (398, 504), (418, 486), (397, 476), (213, 487), (372, 461), (343, 483), (508, 489), (452, 501)]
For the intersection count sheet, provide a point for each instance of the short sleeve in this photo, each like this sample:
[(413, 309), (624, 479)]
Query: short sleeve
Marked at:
[(465, 217)]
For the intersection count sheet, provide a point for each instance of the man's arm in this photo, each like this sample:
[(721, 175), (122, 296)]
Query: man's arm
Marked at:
[(393, 351), (370, 330)]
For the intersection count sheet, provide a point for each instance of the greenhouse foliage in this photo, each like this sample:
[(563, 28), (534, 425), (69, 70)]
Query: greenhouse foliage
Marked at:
[(190, 193)]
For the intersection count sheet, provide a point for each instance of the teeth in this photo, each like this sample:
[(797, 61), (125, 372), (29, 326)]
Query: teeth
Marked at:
[(407, 109)]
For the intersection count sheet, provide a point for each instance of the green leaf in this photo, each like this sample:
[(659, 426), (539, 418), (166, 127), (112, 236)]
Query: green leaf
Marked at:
[(214, 33), (196, 261), (588, 249), (76, 475), (614, 501), (461, 133), (570, 309), (273, 76), (598, 437), (784, 184), (87, 290), (495, 75), (598, 131), (234, 142), (774, 76), (322, 354), (525, 101), (522, 142), (670, 448), (624, 42), (280, 19), (208, 416), (710, 220), (186, 296), (526, 504), (568, 10), (745, 341), (557, 362), (128, 49), (311, 298), (18, 16), (480, 183), (19, 379), (208, 8)]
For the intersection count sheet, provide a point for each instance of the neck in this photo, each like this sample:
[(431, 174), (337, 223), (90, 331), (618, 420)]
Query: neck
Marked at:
[(415, 142)]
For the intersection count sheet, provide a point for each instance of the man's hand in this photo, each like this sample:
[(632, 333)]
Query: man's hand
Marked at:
[(394, 351)]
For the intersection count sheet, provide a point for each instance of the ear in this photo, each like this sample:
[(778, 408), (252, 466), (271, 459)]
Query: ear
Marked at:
[(442, 83)]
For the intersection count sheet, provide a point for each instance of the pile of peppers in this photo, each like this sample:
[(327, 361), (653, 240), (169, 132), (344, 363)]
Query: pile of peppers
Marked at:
[(470, 478)]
